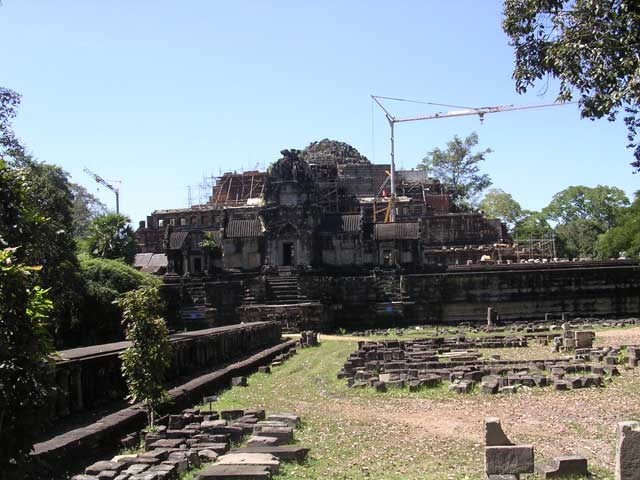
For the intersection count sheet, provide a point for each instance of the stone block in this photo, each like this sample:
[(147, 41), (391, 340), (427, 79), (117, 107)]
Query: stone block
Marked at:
[(290, 419), (239, 382), (253, 459), (206, 456), (564, 466), (260, 441), (284, 452), (266, 369), (508, 460), (234, 472), (231, 414), (283, 434), (628, 451), (493, 433), (98, 467)]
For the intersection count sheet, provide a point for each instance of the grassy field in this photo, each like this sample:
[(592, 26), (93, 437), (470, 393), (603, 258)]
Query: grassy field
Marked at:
[(431, 434)]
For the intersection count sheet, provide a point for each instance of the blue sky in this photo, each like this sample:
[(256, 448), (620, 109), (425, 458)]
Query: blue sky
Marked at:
[(158, 93)]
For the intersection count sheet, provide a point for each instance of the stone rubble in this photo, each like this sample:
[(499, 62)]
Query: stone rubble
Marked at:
[(193, 438)]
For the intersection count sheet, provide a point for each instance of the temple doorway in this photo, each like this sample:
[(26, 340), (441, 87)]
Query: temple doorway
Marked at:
[(287, 254)]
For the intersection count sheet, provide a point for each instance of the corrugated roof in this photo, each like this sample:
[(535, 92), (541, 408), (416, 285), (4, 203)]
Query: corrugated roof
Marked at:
[(141, 260), (336, 223), (244, 228), (176, 240), (393, 231), (157, 265)]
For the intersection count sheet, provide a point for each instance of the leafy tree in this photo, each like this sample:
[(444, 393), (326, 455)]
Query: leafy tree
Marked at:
[(105, 280), (111, 236), (457, 168), (85, 208), (532, 225), (9, 144), (501, 205), (591, 46), (577, 239), (39, 220), (25, 373), (146, 361), (625, 237), (601, 204)]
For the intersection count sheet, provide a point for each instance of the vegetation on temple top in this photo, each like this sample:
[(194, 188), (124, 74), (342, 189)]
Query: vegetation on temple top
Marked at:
[(145, 362), (457, 167), (591, 46), (329, 152)]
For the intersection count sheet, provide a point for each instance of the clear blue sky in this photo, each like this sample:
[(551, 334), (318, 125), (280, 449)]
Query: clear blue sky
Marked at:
[(158, 93)]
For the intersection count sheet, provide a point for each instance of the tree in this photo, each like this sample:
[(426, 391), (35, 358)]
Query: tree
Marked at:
[(457, 168), (601, 204), (86, 207), (111, 236), (146, 361), (25, 373), (591, 46), (9, 144), (105, 280), (501, 205), (624, 238), (532, 225)]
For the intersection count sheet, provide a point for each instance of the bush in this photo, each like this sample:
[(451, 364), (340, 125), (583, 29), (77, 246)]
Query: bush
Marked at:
[(105, 280)]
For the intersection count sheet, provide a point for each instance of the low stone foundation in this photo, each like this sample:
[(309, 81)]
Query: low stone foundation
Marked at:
[(295, 317), (90, 377)]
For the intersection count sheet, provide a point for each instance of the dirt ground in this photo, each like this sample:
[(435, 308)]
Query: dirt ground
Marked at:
[(360, 434)]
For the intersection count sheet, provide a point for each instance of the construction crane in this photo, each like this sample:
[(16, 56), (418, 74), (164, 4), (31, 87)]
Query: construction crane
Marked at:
[(480, 112), (102, 181)]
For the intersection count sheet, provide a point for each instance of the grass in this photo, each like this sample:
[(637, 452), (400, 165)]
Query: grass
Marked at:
[(352, 433)]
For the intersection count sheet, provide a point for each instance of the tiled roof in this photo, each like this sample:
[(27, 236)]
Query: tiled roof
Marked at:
[(393, 231), (336, 223), (244, 228), (150, 262), (176, 240)]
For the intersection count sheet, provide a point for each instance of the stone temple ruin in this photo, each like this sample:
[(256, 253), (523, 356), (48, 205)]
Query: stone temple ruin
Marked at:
[(309, 243)]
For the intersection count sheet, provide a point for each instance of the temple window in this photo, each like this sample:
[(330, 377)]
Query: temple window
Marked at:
[(161, 222)]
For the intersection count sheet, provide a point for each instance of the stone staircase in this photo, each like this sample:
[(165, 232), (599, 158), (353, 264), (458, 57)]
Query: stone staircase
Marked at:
[(195, 308), (284, 290), (391, 297)]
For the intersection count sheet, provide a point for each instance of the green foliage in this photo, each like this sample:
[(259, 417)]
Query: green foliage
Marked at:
[(532, 225), (582, 215), (210, 244), (577, 239), (110, 236), (146, 361), (457, 168), (105, 280), (590, 46), (601, 204), (501, 205), (25, 376), (625, 237), (328, 152), (86, 207)]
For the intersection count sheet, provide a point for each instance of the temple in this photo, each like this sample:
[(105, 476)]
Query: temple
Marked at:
[(311, 242), (322, 210)]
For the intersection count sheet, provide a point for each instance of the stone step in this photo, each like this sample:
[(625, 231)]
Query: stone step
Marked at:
[(234, 472)]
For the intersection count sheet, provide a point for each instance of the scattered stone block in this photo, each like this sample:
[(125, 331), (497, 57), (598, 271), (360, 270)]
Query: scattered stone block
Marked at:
[(628, 451), (258, 441), (290, 419), (284, 452), (508, 460), (234, 472), (493, 433), (251, 459), (239, 382), (264, 369), (98, 467), (564, 466)]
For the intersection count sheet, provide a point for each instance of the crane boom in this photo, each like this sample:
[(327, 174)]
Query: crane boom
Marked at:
[(481, 112), (102, 181)]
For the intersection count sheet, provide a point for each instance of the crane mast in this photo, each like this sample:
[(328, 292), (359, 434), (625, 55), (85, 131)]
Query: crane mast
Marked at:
[(480, 112), (103, 182)]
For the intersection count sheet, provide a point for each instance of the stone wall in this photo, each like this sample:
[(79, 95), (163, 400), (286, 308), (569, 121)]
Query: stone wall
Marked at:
[(516, 292), (293, 318), (90, 377)]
